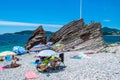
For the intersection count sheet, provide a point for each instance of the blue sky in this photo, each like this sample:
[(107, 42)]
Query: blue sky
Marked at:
[(17, 15), (104, 11)]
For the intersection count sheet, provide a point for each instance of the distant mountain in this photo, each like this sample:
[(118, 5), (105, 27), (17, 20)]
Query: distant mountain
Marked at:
[(30, 32), (24, 32), (105, 30), (110, 31)]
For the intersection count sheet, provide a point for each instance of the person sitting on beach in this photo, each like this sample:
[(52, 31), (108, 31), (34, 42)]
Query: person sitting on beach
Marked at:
[(54, 61), (13, 63), (43, 66)]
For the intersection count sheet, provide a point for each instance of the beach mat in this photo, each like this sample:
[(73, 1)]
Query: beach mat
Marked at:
[(72, 57), (33, 63), (2, 68), (75, 57), (29, 75)]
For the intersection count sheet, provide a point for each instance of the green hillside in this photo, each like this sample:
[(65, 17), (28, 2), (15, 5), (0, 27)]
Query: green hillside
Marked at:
[(110, 31)]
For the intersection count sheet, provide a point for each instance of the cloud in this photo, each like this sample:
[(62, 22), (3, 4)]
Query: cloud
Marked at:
[(11, 23), (107, 20)]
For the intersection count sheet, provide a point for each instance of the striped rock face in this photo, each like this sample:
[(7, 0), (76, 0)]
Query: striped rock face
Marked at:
[(39, 36), (80, 35)]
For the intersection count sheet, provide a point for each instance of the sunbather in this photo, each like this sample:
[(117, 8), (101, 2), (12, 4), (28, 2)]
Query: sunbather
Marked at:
[(13, 63), (43, 66), (54, 61)]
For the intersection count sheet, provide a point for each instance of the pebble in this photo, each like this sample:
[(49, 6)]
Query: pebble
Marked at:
[(100, 66)]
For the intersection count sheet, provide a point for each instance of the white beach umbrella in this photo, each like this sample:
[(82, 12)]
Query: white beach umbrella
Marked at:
[(47, 53), (5, 53)]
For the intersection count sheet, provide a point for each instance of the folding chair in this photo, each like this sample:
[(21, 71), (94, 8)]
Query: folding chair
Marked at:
[(61, 56)]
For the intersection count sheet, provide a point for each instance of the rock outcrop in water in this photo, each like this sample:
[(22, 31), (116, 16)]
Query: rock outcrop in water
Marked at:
[(75, 34), (38, 36), (78, 34)]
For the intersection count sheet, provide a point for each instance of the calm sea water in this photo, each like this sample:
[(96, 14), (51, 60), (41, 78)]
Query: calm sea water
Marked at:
[(7, 41), (111, 39)]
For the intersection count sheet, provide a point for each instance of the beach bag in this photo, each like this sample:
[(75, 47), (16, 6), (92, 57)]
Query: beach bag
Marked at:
[(1, 59)]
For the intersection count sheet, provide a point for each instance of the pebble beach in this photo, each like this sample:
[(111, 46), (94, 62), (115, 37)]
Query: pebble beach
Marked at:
[(99, 66)]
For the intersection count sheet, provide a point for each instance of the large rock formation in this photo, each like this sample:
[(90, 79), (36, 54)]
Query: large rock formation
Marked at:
[(75, 34), (38, 36), (78, 34)]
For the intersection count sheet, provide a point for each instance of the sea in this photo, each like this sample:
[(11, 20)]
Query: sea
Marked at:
[(8, 41)]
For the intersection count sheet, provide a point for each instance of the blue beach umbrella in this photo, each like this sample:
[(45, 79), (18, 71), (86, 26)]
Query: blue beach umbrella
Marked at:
[(49, 44), (19, 50)]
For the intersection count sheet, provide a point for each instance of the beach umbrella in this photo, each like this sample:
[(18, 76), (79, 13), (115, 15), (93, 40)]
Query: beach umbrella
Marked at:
[(49, 44), (47, 53), (19, 50), (39, 46), (5, 53), (58, 46)]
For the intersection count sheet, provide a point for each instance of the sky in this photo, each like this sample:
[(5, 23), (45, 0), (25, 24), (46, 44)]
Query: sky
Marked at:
[(18, 15)]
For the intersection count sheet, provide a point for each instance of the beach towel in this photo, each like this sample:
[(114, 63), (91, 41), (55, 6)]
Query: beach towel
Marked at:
[(29, 75), (2, 68), (6, 66), (72, 57), (79, 56), (36, 62), (76, 57)]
